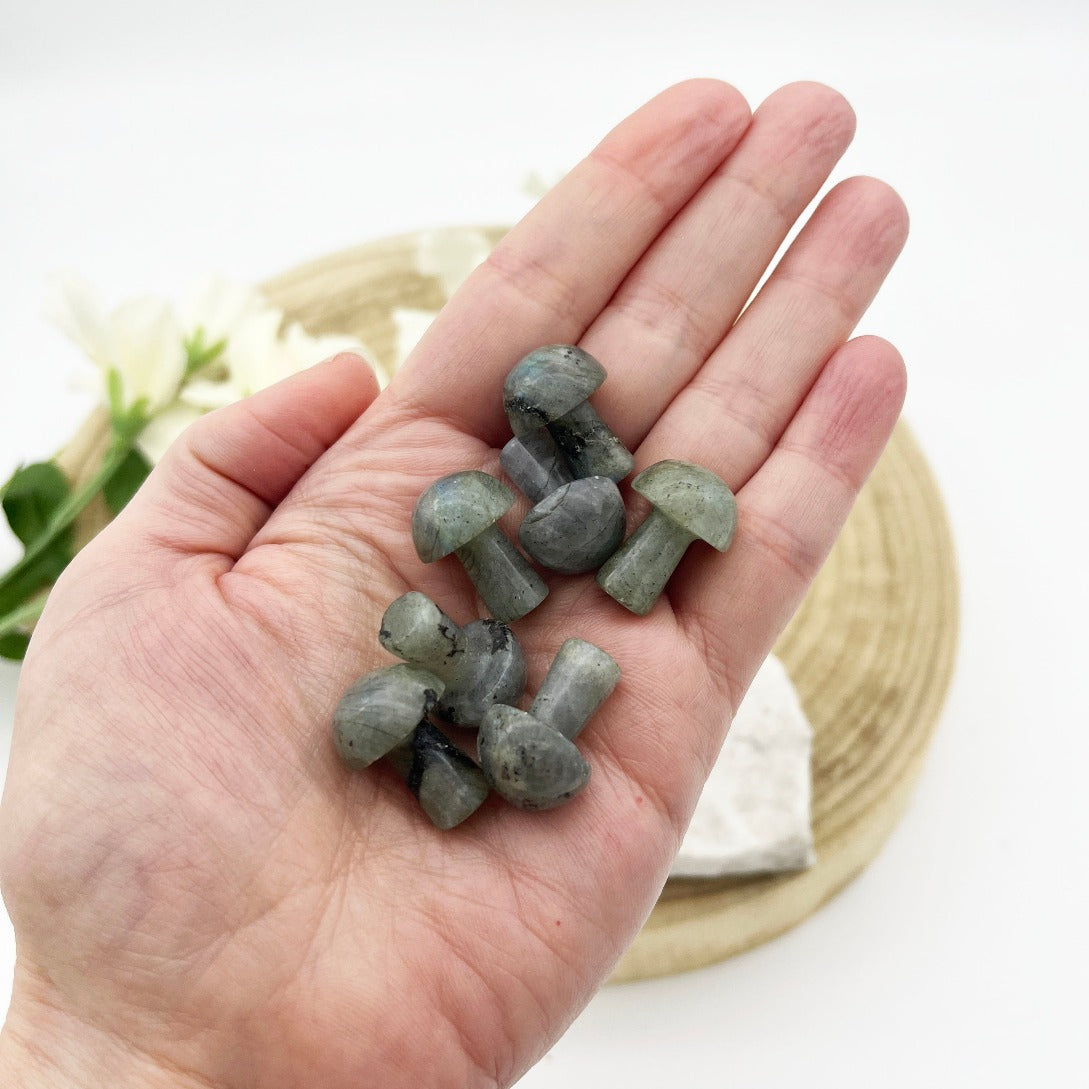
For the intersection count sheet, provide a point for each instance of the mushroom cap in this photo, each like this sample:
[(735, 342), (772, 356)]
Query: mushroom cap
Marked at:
[(577, 527), (549, 383), (381, 710), (454, 510), (529, 763), (693, 497)]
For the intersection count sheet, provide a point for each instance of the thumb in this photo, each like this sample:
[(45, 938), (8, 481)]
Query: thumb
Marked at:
[(226, 473)]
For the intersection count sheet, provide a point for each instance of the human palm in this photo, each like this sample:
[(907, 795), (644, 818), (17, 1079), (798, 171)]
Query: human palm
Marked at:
[(198, 885)]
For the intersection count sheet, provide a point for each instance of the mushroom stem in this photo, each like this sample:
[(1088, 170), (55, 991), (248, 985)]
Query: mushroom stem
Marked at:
[(509, 586), (417, 630), (535, 464), (579, 681), (638, 570), (529, 758), (590, 445), (447, 784)]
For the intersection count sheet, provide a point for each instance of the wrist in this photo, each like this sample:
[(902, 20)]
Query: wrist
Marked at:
[(45, 1047)]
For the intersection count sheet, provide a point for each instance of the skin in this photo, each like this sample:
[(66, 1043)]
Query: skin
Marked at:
[(202, 894)]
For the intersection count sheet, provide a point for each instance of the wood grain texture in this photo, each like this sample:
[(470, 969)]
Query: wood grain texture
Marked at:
[(871, 649)]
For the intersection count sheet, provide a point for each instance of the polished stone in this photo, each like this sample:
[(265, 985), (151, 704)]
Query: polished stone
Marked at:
[(530, 759), (481, 664), (457, 514), (507, 585), (576, 528), (589, 444), (448, 785), (535, 464), (454, 510), (530, 764), (381, 710), (550, 388), (547, 383), (689, 503), (580, 679)]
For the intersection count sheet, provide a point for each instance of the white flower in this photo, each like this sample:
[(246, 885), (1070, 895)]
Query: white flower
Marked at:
[(257, 356), (215, 307), (165, 426), (139, 342), (142, 352), (303, 350)]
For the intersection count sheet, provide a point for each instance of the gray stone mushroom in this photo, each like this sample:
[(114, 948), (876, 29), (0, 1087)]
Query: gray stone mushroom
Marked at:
[(530, 758), (575, 525), (535, 463), (381, 711), (447, 784), (576, 528), (480, 664), (550, 388), (458, 514), (689, 502)]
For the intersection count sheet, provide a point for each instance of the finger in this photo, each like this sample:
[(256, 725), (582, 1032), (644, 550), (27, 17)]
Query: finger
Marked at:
[(791, 511), (680, 300), (731, 415), (219, 482), (551, 276)]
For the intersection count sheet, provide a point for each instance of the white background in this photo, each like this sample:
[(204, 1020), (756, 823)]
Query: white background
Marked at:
[(145, 145)]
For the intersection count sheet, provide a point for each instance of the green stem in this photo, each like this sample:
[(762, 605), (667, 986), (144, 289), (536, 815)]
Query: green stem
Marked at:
[(22, 615), (62, 518)]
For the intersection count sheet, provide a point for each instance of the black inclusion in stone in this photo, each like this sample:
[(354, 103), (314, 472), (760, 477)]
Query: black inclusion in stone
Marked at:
[(519, 405), (428, 743), (500, 634), (415, 772)]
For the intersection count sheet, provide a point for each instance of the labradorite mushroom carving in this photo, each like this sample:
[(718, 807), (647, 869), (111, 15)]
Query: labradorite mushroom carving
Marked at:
[(576, 528), (530, 758), (688, 502), (535, 464), (446, 783), (550, 388), (458, 514), (381, 710), (480, 664), (575, 525)]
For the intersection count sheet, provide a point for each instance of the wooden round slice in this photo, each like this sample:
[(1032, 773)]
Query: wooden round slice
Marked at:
[(870, 651)]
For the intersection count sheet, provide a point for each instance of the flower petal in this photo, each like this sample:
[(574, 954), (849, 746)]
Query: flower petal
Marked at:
[(145, 347), (73, 306), (217, 305), (163, 430)]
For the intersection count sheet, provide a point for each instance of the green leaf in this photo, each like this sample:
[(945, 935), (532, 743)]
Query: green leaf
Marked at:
[(127, 420), (199, 355), (115, 393), (127, 477), (13, 646), (31, 497), (27, 578)]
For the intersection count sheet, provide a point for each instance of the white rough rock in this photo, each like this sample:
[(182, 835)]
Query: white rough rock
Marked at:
[(753, 815)]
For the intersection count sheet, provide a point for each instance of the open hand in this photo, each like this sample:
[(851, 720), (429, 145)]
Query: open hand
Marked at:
[(202, 893)]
